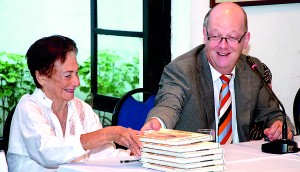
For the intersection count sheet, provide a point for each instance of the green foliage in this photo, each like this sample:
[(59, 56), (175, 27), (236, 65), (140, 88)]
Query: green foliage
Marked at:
[(115, 76), (15, 81)]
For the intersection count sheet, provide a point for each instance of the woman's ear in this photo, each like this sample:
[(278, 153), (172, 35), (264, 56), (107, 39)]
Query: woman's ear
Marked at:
[(40, 78)]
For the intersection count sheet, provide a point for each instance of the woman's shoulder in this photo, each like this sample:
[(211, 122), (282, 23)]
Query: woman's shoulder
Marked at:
[(77, 100), (26, 98), (81, 105)]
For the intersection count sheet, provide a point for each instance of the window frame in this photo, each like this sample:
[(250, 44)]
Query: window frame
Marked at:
[(156, 12)]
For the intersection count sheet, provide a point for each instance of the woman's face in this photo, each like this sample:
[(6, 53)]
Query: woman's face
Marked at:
[(64, 80)]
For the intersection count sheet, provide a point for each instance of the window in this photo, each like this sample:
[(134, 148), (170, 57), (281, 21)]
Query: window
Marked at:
[(130, 45), (38, 19)]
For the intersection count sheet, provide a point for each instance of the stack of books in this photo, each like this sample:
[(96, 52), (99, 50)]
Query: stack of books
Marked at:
[(175, 150)]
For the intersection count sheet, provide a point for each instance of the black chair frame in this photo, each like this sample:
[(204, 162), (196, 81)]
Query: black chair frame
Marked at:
[(296, 112), (6, 129), (146, 94)]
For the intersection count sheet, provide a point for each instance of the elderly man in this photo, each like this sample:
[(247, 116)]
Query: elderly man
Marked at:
[(212, 86)]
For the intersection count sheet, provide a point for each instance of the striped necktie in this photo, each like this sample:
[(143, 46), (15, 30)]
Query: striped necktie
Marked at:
[(225, 112)]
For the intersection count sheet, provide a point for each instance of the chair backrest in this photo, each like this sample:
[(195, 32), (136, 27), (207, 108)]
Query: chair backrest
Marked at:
[(6, 129), (296, 112), (132, 113)]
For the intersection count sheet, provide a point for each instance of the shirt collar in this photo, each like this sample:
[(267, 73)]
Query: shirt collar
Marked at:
[(216, 75), (45, 100)]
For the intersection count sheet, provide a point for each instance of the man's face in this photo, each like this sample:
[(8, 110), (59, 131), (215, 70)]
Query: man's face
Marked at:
[(223, 23)]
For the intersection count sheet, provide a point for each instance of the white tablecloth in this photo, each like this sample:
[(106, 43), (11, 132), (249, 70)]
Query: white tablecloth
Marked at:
[(245, 157), (110, 165), (248, 157)]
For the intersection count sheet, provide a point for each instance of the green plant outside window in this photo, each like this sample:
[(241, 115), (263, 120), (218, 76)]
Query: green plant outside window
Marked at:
[(115, 76), (15, 81)]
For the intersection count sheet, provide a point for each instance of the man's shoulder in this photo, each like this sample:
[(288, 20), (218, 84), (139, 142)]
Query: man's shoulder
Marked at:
[(190, 55), (256, 60)]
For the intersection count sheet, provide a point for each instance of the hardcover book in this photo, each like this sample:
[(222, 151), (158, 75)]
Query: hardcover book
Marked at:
[(184, 147), (183, 165), (180, 160), (174, 137), (188, 154), (175, 150), (213, 168)]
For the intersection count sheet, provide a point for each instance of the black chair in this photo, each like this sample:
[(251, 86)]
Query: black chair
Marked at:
[(296, 112), (130, 112), (6, 129)]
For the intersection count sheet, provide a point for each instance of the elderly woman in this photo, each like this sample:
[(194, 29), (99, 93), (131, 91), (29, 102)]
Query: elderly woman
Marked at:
[(52, 127)]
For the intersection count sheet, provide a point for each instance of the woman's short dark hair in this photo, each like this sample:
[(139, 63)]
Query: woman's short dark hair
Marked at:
[(42, 55)]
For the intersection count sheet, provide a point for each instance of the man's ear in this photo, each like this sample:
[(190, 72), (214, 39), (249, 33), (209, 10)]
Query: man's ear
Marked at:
[(247, 38), (204, 35), (40, 78)]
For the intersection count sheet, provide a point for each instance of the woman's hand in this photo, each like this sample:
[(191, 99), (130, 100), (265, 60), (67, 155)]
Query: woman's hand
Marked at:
[(126, 137)]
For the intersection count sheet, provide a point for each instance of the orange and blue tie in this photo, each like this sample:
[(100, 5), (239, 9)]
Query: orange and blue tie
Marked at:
[(225, 112)]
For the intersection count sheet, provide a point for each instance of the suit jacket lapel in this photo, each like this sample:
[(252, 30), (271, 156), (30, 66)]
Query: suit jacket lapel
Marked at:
[(242, 87), (206, 89)]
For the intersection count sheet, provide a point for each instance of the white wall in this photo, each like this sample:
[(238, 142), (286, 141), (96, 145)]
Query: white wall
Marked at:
[(275, 37), (25, 21)]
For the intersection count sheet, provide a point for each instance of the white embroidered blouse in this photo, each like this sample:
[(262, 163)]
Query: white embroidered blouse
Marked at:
[(37, 142)]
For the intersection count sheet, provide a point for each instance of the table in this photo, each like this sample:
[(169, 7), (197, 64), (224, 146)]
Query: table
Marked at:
[(110, 165), (246, 157)]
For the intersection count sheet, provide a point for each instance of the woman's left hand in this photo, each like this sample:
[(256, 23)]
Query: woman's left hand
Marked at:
[(126, 137)]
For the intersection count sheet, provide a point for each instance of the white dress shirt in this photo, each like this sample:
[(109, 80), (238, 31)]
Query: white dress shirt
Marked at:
[(37, 142), (217, 87)]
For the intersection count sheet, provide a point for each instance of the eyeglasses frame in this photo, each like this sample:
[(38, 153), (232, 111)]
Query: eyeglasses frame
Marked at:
[(239, 41)]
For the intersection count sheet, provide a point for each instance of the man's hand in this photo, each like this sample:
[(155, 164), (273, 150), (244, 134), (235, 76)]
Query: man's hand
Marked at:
[(152, 124), (275, 131)]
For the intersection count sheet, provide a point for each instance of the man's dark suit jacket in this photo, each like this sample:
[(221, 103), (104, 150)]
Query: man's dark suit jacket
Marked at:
[(185, 100)]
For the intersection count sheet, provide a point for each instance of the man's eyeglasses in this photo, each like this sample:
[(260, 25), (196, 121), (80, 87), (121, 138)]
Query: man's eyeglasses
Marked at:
[(230, 40)]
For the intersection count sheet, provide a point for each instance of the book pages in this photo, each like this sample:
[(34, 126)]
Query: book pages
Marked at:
[(174, 150), (173, 137), (184, 147), (184, 165), (180, 160), (213, 168), (196, 153)]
